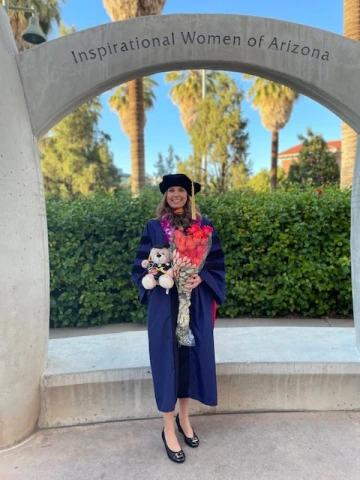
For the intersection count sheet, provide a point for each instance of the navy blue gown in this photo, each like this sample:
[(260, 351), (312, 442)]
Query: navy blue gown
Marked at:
[(181, 372)]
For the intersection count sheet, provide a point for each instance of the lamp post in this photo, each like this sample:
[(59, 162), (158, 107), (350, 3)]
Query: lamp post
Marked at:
[(33, 34)]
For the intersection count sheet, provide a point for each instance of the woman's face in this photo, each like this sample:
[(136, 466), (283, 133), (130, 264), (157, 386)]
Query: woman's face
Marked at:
[(176, 197)]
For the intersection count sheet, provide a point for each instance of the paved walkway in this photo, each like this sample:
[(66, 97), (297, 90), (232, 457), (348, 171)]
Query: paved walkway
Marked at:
[(255, 446), (220, 323)]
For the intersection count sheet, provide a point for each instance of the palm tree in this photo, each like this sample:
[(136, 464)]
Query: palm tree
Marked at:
[(119, 102), (123, 10), (275, 103), (349, 136), (48, 11), (186, 92)]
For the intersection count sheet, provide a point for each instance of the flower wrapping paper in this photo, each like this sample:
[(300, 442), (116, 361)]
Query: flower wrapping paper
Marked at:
[(189, 249)]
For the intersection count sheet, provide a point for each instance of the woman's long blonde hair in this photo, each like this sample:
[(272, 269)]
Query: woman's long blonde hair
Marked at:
[(164, 211)]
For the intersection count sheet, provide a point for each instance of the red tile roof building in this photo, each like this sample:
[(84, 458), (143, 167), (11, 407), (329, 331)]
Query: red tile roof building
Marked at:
[(292, 154)]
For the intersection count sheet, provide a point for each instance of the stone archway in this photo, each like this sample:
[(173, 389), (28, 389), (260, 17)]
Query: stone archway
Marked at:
[(42, 85)]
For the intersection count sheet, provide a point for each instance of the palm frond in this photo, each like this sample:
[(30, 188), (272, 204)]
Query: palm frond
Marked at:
[(125, 9)]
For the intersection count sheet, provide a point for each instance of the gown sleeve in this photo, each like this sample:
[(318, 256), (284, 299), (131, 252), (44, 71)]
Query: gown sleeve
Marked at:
[(213, 271), (138, 271)]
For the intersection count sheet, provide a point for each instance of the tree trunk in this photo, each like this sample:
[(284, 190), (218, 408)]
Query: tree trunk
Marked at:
[(136, 124), (348, 152), (348, 146), (274, 157)]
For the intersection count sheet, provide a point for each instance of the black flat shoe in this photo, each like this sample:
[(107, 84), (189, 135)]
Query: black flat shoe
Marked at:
[(177, 457), (191, 442)]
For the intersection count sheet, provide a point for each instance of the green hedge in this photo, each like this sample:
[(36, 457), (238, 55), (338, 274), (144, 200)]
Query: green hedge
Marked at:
[(286, 253)]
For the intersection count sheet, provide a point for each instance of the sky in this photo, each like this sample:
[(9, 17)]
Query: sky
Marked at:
[(163, 125)]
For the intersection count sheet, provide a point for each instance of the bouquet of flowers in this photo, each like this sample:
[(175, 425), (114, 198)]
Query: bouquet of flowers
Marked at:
[(189, 250)]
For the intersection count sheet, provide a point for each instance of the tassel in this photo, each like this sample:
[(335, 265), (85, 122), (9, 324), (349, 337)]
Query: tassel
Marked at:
[(193, 210)]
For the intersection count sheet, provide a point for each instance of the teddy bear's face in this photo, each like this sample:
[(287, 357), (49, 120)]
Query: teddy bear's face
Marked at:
[(160, 255)]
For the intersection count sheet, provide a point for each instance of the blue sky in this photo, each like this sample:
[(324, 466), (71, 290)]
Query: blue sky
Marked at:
[(163, 122)]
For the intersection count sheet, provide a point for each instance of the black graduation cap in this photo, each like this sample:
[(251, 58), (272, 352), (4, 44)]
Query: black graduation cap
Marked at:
[(179, 180)]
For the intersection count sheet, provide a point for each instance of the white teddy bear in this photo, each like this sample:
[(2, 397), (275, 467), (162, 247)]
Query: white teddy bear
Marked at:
[(159, 259)]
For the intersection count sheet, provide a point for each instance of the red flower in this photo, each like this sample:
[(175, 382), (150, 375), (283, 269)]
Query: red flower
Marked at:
[(207, 230), (201, 249), (177, 234), (193, 244), (191, 254), (319, 192), (193, 228), (190, 243), (198, 235), (197, 261), (180, 245)]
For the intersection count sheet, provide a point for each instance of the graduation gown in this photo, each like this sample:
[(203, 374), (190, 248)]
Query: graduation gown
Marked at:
[(181, 372)]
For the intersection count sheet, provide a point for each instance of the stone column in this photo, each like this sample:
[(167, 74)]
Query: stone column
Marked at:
[(24, 271), (355, 243)]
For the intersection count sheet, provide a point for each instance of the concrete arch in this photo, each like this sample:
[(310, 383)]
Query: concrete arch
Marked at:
[(42, 85), (62, 74)]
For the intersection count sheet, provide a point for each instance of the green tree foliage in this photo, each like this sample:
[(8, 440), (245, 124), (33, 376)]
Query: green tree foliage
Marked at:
[(261, 181), (316, 166), (219, 133), (75, 156), (66, 30), (166, 165), (191, 167), (186, 92)]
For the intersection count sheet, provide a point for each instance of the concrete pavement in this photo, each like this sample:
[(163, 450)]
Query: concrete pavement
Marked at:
[(261, 446), (220, 323)]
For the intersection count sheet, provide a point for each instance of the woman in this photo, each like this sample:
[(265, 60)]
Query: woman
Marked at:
[(181, 373)]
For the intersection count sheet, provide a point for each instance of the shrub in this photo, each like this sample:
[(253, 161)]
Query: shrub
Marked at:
[(93, 242), (286, 253)]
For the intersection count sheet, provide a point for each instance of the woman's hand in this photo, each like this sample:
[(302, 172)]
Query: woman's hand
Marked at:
[(193, 281)]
